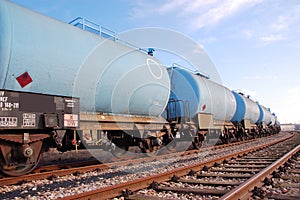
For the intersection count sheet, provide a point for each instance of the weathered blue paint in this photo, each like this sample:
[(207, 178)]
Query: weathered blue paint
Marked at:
[(64, 60)]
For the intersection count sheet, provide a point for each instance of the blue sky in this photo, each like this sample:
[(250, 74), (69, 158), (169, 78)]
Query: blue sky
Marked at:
[(254, 44)]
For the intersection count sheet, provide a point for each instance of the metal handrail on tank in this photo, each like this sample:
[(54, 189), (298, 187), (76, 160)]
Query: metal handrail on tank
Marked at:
[(196, 72), (97, 29), (93, 28)]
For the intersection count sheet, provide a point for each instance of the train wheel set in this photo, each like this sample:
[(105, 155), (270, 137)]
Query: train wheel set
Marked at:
[(19, 159)]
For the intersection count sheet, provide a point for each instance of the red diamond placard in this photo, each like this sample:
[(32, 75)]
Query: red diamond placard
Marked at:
[(24, 79)]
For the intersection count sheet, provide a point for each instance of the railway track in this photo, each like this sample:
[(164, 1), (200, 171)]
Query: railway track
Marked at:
[(106, 172), (127, 187), (81, 166), (238, 178), (284, 183)]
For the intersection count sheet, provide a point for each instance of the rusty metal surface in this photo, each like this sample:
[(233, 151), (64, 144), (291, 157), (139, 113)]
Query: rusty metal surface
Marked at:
[(203, 175), (206, 182), (116, 190), (44, 175), (193, 191), (26, 158), (18, 138), (65, 169), (242, 191), (118, 122), (56, 170), (235, 170), (284, 197)]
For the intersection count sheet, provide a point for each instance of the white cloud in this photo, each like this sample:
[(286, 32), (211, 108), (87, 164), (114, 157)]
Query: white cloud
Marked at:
[(287, 21), (172, 5), (281, 24), (215, 12), (263, 21), (207, 40), (197, 14), (261, 77), (248, 34), (267, 39), (289, 106), (277, 22), (137, 12)]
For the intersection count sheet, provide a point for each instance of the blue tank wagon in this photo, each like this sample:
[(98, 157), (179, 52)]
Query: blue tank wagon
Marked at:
[(267, 121), (251, 117), (127, 97), (209, 105), (213, 110), (246, 115), (122, 90)]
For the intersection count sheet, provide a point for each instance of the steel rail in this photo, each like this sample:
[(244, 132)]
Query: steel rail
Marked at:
[(244, 190), (134, 185), (44, 175), (66, 169)]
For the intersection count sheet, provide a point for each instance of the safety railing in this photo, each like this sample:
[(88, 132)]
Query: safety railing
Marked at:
[(97, 29), (94, 28), (195, 71)]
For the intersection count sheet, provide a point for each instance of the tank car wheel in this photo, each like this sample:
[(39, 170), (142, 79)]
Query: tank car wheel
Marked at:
[(147, 148), (196, 144), (119, 151), (20, 159), (198, 141)]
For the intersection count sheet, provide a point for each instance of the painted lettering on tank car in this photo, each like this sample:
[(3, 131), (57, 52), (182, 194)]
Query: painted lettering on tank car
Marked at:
[(29, 110)]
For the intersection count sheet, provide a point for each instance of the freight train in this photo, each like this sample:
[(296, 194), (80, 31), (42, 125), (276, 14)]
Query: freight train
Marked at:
[(68, 88)]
